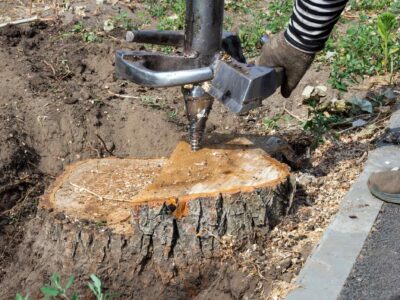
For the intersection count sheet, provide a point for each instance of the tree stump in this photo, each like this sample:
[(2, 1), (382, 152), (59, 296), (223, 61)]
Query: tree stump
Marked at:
[(137, 220)]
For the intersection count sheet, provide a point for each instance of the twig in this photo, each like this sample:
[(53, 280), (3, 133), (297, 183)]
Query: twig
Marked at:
[(124, 96), (293, 115), (374, 121), (362, 158), (94, 149), (21, 21), (11, 210), (101, 198), (104, 145), (50, 66), (15, 184)]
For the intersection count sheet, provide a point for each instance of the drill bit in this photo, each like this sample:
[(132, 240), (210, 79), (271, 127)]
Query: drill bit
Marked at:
[(198, 105)]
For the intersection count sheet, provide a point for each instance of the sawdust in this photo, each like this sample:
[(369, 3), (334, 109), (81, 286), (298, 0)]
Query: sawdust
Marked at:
[(340, 162)]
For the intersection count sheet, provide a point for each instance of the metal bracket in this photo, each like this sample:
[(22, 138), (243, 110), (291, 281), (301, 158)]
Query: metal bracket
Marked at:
[(157, 70)]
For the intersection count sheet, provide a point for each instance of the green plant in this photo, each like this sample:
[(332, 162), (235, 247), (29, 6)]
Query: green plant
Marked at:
[(56, 289), (122, 20), (238, 5), (278, 15), (250, 34), (152, 102), (274, 20), (369, 47), (273, 122), (87, 35), (171, 13), (319, 122), (357, 53), (90, 37), (172, 115), (20, 297), (387, 25), (370, 4), (96, 287), (77, 28)]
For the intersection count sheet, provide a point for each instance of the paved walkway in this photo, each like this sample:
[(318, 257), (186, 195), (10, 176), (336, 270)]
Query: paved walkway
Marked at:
[(358, 256), (376, 273)]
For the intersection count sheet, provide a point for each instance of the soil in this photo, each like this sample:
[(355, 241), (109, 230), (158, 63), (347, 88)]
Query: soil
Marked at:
[(60, 103)]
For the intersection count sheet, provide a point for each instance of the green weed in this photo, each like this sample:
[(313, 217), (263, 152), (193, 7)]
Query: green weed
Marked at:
[(278, 15), (387, 25), (239, 5), (56, 290), (96, 287), (153, 102), (371, 4), (171, 13), (172, 115), (357, 53), (274, 20), (319, 121), (122, 20), (251, 33), (90, 37), (87, 35), (273, 122)]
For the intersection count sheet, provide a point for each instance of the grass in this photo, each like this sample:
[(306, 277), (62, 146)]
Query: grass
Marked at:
[(372, 5), (273, 20)]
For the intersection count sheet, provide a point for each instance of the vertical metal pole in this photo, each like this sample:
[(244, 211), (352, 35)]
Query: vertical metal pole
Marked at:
[(203, 40), (204, 26)]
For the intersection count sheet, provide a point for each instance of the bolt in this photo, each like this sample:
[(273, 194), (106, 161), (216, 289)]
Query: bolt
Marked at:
[(130, 36)]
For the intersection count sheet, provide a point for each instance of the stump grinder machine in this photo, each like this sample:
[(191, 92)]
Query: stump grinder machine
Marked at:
[(211, 66)]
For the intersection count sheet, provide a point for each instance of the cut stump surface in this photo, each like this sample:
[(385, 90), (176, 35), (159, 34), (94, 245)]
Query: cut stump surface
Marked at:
[(112, 191)]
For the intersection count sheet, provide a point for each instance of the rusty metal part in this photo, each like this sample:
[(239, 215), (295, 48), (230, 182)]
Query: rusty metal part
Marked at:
[(198, 105)]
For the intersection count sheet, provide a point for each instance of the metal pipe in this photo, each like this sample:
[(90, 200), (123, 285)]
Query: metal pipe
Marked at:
[(167, 38), (203, 32)]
